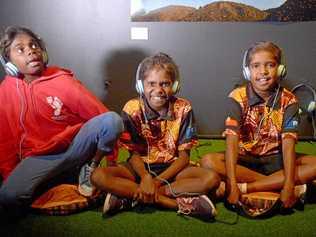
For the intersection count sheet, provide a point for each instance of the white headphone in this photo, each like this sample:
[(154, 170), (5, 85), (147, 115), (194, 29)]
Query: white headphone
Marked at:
[(139, 82), (9, 67), (12, 70), (311, 107), (281, 73)]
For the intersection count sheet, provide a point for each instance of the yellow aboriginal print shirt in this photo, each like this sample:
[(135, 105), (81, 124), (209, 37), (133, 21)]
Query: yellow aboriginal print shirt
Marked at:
[(259, 125), (158, 139)]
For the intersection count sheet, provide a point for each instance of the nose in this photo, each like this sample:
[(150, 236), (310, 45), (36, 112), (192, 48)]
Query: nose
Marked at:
[(159, 88), (263, 69), (31, 51)]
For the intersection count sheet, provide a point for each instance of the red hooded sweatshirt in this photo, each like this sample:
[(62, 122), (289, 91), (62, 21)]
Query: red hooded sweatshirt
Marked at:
[(42, 117)]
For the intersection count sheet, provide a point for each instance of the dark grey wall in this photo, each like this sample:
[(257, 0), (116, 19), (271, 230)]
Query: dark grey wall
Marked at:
[(93, 39)]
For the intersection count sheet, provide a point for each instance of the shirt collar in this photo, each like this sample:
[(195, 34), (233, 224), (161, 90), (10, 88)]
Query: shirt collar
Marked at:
[(152, 114), (255, 99)]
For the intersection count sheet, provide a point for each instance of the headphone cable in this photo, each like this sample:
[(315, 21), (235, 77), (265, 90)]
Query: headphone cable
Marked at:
[(173, 192)]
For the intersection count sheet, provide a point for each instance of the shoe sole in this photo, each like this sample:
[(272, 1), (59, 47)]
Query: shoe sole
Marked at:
[(214, 211), (106, 205), (84, 192)]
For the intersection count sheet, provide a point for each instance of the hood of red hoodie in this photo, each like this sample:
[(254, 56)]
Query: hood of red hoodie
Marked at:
[(48, 73)]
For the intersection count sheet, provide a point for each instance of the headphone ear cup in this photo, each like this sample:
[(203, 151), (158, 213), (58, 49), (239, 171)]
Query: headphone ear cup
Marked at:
[(11, 69), (246, 73), (139, 87), (245, 68), (311, 106), (175, 87), (45, 57), (281, 71)]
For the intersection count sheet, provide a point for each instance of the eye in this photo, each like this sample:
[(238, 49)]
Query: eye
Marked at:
[(166, 84), (20, 50), (254, 65), (271, 65), (34, 45)]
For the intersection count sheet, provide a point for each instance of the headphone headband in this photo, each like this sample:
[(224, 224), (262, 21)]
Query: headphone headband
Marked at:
[(312, 104), (139, 82), (281, 71), (12, 69)]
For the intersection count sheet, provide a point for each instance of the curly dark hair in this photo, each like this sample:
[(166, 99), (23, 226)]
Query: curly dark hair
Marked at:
[(10, 34), (158, 61)]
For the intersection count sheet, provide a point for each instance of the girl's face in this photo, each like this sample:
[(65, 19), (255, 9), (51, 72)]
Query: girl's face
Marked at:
[(26, 54), (158, 89), (263, 71)]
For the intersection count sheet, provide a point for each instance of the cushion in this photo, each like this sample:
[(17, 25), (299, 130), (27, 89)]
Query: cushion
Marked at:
[(65, 199)]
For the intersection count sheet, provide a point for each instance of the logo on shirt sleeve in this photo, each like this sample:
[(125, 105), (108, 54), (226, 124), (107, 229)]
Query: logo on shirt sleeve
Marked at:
[(190, 132), (291, 123), (230, 122)]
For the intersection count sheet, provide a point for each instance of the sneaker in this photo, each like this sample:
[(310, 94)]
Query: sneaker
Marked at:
[(114, 204), (300, 193), (85, 187), (200, 207)]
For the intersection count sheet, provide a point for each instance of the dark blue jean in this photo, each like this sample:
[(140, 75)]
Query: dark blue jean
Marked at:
[(100, 132)]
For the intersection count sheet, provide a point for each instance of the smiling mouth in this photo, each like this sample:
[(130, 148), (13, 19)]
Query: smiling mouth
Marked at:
[(264, 79), (159, 98)]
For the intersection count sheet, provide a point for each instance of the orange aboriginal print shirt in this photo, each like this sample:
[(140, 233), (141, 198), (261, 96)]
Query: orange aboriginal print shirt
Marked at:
[(261, 125), (158, 139)]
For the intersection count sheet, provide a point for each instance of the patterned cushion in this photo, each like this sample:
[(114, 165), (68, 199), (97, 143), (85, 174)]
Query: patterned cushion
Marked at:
[(65, 199)]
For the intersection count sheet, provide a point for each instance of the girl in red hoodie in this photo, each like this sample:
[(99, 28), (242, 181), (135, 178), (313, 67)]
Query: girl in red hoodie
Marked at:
[(50, 123)]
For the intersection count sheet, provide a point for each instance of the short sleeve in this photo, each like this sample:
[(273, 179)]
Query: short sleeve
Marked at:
[(188, 133), (130, 139), (291, 118), (233, 117), (291, 121)]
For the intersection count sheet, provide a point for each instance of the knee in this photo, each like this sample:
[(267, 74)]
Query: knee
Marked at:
[(111, 125), (115, 121), (210, 161), (99, 177)]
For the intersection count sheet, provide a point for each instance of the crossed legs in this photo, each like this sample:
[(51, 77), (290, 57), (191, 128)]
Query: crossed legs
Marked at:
[(122, 182), (256, 182)]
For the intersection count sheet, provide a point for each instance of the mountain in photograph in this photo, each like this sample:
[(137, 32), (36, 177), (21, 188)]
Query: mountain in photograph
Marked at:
[(290, 10), (169, 13), (294, 10), (226, 11)]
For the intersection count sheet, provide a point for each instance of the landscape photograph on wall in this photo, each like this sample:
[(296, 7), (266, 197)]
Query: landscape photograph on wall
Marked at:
[(223, 11)]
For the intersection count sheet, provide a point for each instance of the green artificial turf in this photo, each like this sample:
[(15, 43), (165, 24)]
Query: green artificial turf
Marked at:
[(148, 221)]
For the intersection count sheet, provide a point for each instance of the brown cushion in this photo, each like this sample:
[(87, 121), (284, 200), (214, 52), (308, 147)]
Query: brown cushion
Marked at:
[(65, 199)]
